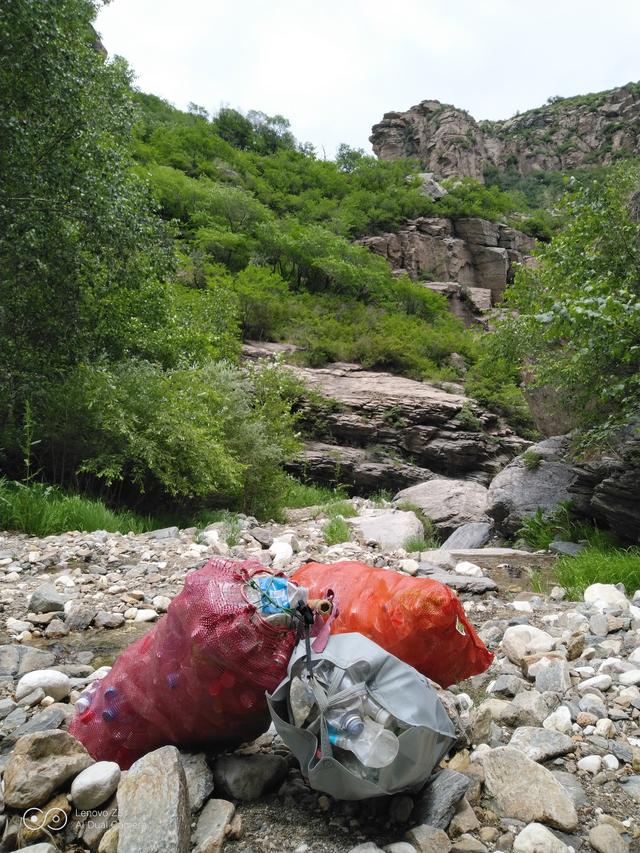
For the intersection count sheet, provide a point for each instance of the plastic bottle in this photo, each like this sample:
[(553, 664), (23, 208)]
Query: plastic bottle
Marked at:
[(378, 714), (374, 747), (346, 720)]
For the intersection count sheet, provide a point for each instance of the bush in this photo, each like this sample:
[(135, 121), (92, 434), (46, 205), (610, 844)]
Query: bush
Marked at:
[(210, 434), (297, 495), (336, 531)]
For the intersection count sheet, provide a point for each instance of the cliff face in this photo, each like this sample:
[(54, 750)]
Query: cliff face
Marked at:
[(564, 135), (477, 254)]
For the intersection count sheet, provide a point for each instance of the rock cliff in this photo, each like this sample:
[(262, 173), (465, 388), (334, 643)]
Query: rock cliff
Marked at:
[(379, 431), (476, 254), (565, 134)]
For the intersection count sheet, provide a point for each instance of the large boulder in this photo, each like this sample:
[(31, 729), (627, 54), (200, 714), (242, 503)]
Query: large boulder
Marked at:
[(388, 528), (540, 478), (608, 487), (448, 503)]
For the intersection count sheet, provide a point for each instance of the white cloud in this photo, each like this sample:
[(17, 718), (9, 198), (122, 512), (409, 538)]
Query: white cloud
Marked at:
[(334, 67)]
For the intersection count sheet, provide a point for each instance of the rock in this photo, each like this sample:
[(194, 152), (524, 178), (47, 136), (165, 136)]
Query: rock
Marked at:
[(605, 839), (388, 528), (606, 595), (569, 549), (145, 616), (39, 764), (199, 778), (518, 491), (551, 674), (95, 785), (161, 603), (522, 640), (525, 790), (572, 786), (598, 682), (461, 583), (448, 503), (607, 487), (164, 533), (631, 786), (104, 619), (367, 847), (281, 552), (475, 534), (109, 841), (79, 617), (247, 777), (399, 847), (536, 838), (153, 805), (46, 599), (464, 819), (541, 744), (45, 847), (212, 824), (468, 844), (436, 803), (55, 684), (559, 721), (428, 839), (468, 569)]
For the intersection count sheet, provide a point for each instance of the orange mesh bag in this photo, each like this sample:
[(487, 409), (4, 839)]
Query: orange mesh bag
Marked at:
[(419, 620), (198, 677)]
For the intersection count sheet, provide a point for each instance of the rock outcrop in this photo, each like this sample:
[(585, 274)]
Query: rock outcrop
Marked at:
[(470, 260), (607, 488), (377, 430), (563, 135)]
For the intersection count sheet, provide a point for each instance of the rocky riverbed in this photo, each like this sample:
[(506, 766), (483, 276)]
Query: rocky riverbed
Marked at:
[(548, 759)]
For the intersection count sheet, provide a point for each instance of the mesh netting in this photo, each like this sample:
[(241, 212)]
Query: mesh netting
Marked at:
[(419, 620), (198, 677)]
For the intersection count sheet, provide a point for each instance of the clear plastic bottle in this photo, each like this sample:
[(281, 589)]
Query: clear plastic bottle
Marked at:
[(378, 714), (374, 747), (346, 720)]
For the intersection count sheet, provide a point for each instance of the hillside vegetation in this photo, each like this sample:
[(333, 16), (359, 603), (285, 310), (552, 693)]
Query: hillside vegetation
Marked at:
[(139, 245)]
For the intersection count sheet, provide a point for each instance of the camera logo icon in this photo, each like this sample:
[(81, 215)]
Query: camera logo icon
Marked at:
[(54, 819)]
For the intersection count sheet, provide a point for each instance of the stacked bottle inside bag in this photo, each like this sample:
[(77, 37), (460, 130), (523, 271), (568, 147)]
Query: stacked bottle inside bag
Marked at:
[(363, 735)]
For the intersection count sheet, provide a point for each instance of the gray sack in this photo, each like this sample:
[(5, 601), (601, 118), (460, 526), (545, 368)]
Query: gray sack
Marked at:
[(396, 687)]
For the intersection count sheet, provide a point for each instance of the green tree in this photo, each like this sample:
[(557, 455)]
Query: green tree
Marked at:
[(578, 323), (81, 256)]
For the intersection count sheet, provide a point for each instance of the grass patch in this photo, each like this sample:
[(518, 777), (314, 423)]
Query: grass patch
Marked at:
[(431, 537), (541, 529), (298, 495), (336, 531), (340, 509), (531, 460), (42, 510), (416, 543), (381, 498), (595, 565)]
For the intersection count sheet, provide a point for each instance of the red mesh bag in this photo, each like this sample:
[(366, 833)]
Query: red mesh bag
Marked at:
[(198, 677), (419, 620)]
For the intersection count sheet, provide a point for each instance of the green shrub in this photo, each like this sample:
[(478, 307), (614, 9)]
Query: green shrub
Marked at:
[(41, 510), (216, 433), (542, 528), (416, 543), (340, 509), (336, 531), (297, 495), (467, 418), (531, 460), (595, 565)]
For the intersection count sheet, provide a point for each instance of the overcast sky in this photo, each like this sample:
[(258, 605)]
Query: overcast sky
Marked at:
[(333, 67)]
